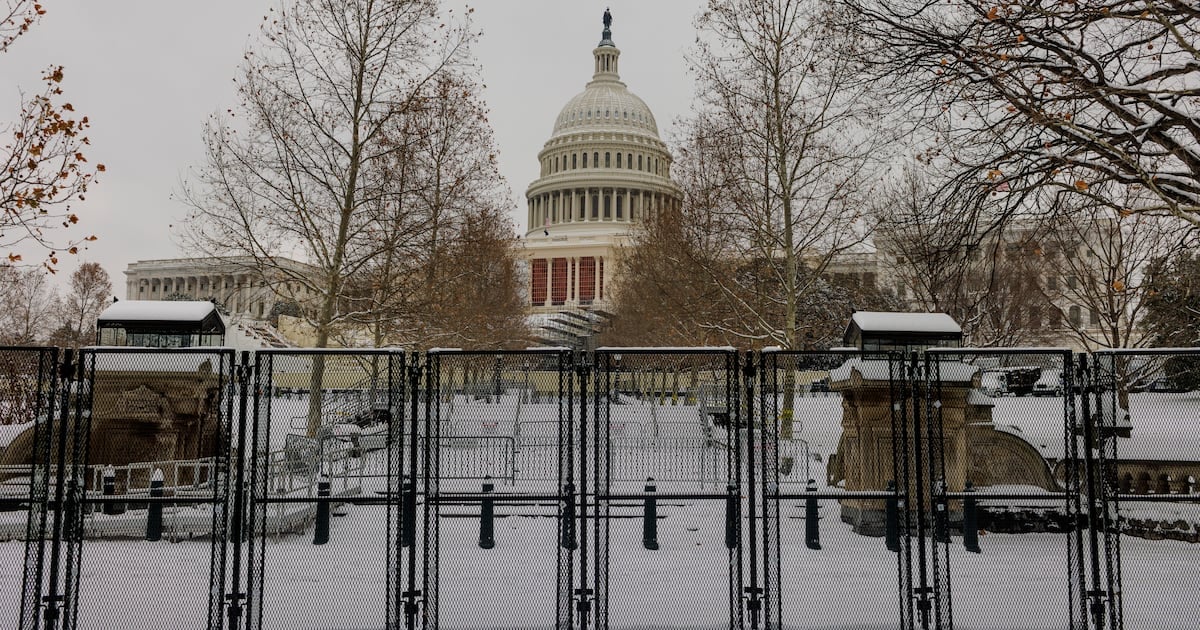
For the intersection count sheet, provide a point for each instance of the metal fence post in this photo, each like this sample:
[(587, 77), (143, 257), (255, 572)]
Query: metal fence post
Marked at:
[(733, 504), (109, 483), (568, 517), (970, 522)]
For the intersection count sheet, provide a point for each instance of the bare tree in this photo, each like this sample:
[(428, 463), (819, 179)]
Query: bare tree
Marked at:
[(441, 222), (673, 291), (954, 261), (776, 156), (26, 306), (43, 168), (299, 173), (1070, 96), (475, 296), (89, 293)]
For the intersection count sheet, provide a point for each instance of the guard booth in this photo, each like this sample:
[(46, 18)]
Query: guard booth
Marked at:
[(903, 333), (155, 324)]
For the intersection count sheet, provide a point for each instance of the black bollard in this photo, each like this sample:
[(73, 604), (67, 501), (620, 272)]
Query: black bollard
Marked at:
[(941, 515), (568, 518), (650, 518), (733, 517), (812, 524), (321, 532), (155, 509), (487, 517), (892, 519), (970, 522), (408, 528), (109, 477)]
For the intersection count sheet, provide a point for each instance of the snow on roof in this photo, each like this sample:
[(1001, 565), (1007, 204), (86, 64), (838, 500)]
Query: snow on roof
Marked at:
[(157, 311), (874, 321)]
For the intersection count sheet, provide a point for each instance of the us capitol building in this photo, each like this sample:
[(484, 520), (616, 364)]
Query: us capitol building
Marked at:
[(604, 170)]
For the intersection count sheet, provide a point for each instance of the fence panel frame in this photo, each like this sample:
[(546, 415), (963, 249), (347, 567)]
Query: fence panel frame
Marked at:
[(931, 382), (259, 500), (438, 384), (773, 361), (37, 499), (606, 371)]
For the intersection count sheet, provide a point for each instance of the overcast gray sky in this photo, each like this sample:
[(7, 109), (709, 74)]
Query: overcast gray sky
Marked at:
[(148, 73)]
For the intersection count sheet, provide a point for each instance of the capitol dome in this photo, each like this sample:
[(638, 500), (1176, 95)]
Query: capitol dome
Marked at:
[(605, 106), (604, 170)]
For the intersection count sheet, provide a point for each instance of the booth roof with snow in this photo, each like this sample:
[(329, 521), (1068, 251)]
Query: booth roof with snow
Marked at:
[(160, 324), (901, 332)]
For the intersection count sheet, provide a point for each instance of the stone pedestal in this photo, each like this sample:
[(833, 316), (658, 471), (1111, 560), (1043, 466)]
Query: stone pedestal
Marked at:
[(963, 445), (145, 416)]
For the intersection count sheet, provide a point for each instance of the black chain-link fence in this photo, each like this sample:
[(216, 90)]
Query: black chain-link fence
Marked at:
[(1144, 411), (629, 488)]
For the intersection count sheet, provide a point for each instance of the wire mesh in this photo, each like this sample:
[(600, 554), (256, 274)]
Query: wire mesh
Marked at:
[(1003, 422), (496, 527), (700, 535), (1145, 404), (1083, 472), (26, 417), (129, 421), (830, 431), (324, 535)]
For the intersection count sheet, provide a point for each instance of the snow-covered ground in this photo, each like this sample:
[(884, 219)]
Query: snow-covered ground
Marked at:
[(1018, 582)]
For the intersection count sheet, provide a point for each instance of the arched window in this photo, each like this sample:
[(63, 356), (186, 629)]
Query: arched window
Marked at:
[(607, 206), (596, 159), (595, 207), (574, 160), (628, 160), (607, 160), (620, 201), (618, 160), (639, 161), (555, 164), (582, 209), (584, 160)]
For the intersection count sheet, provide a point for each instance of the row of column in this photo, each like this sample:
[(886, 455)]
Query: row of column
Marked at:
[(595, 204), (547, 290), (233, 291)]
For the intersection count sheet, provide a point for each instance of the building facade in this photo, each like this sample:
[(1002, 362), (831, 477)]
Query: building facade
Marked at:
[(604, 170), (232, 282)]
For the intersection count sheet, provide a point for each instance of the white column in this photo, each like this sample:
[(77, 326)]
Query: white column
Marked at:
[(570, 279)]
